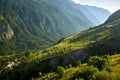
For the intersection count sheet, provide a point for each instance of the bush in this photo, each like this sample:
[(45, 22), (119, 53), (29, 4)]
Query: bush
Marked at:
[(99, 62), (60, 70), (70, 65), (27, 54), (78, 63), (104, 75), (40, 74), (86, 73)]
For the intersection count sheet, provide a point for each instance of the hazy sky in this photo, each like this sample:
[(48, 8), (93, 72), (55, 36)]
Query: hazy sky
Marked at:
[(111, 5)]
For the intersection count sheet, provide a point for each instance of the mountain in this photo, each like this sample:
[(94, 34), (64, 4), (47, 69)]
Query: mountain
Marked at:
[(100, 13), (94, 14), (37, 24), (91, 17), (68, 52), (99, 40)]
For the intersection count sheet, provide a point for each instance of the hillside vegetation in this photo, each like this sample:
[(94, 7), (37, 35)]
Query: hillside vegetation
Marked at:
[(96, 48), (37, 24), (110, 70), (97, 40)]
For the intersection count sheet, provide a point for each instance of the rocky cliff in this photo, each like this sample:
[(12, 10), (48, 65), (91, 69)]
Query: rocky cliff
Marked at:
[(5, 31)]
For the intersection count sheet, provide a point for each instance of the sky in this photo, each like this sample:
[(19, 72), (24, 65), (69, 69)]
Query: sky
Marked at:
[(111, 5)]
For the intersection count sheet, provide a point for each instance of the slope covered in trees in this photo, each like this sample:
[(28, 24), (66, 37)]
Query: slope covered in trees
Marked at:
[(37, 24), (97, 40), (100, 40)]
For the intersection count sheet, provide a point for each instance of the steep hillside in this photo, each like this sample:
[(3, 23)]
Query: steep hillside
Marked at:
[(95, 14), (99, 13), (97, 40), (33, 22), (100, 40), (115, 16), (36, 24), (91, 16), (71, 51), (5, 30)]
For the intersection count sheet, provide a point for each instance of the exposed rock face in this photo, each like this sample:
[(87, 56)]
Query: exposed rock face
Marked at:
[(5, 31)]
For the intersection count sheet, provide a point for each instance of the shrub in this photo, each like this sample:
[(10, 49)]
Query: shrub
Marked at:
[(77, 63), (86, 73), (99, 62), (27, 54), (40, 74), (102, 75), (70, 65), (60, 70)]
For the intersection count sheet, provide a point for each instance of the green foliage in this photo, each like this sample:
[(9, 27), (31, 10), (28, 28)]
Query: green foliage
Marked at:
[(100, 40), (95, 39), (86, 73), (70, 65), (104, 75), (40, 74), (99, 62), (78, 63), (39, 24), (60, 71), (27, 54)]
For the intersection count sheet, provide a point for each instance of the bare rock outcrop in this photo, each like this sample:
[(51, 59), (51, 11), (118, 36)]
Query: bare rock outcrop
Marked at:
[(5, 31)]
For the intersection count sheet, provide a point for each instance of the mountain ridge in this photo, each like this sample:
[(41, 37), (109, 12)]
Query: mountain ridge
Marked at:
[(97, 43), (38, 24), (102, 39)]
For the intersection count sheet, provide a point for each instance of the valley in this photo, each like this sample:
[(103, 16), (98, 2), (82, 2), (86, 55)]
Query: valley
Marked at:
[(39, 24), (58, 40)]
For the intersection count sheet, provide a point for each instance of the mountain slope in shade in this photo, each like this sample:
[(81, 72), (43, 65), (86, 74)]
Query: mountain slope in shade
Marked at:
[(37, 24), (99, 40), (89, 15), (104, 38), (101, 14), (94, 14)]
